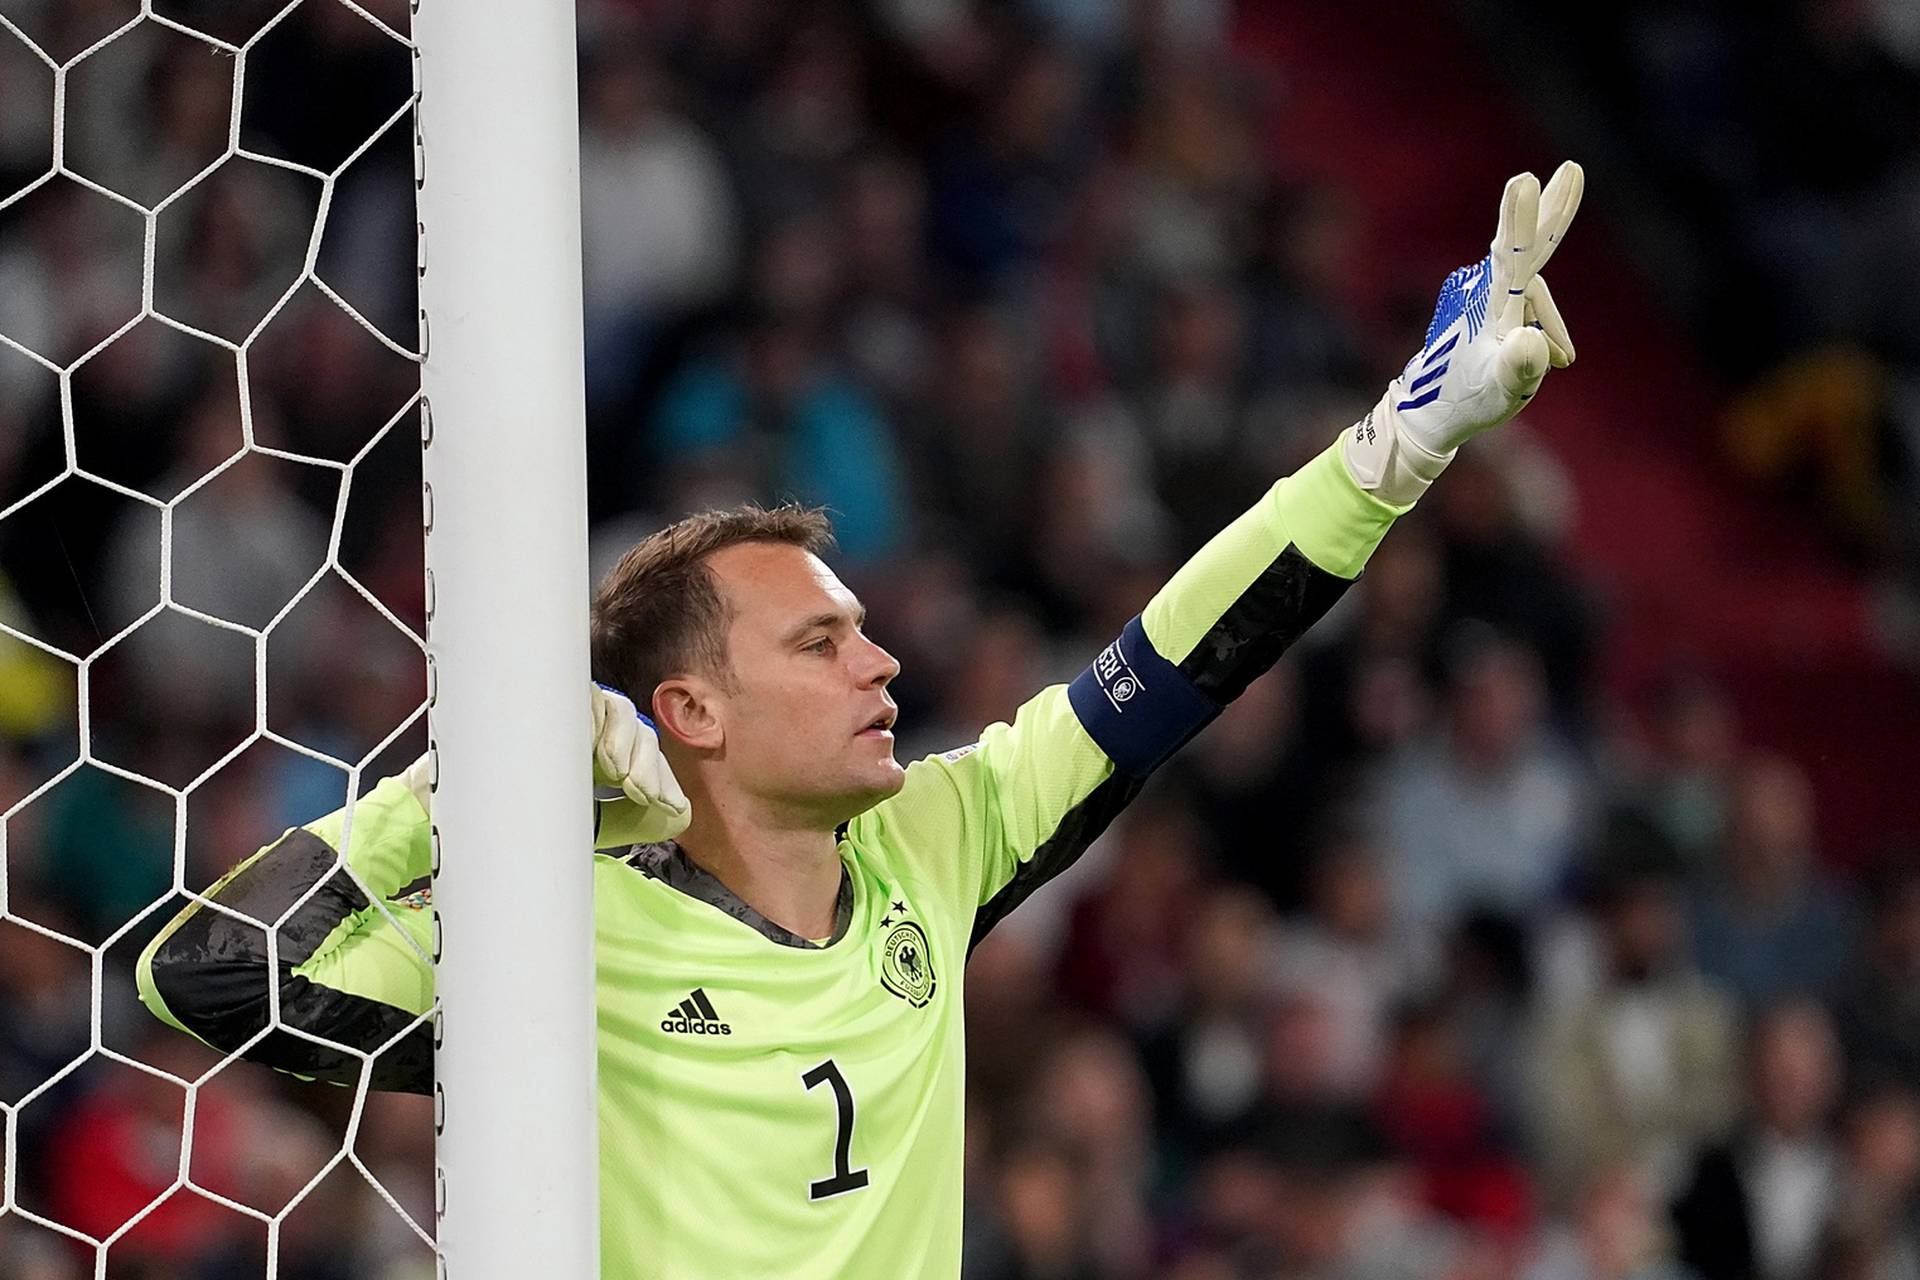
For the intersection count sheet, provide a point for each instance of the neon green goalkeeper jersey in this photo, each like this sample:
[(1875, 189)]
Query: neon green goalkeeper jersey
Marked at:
[(770, 1106)]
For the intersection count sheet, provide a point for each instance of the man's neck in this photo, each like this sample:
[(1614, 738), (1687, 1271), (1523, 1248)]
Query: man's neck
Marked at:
[(787, 871)]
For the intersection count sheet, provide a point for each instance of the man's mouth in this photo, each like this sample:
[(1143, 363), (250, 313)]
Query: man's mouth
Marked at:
[(881, 725)]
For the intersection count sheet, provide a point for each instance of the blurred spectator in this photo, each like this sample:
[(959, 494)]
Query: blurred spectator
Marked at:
[(980, 440), (1253, 777), (1688, 775), (1486, 811), (1306, 244), (36, 689), (1879, 1009), (1303, 1083), (1874, 1233), (1390, 1234), (106, 850), (1088, 301), (1430, 1106), (1127, 936), (1098, 528), (657, 212), (45, 990), (397, 1136), (807, 119), (1365, 670), (1613, 1233), (233, 245), (1070, 1199), (1816, 424), (999, 670), (1348, 953), (997, 196), (1040, 1212), (1767, 923), (328, 386), (1090, 1097), (1500, 518), (1191, 410), (1756, 1205), (1637, 1072), (1206, 1066), (1489, 996), (1325, 1197), (1196, 181), (34, 1257), (242, 546), (890, 296), (119, 1148), (771, 416), (71, 268)]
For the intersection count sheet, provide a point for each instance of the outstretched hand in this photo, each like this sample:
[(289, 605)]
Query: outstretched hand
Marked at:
[(1494, 334), (1495, 330)]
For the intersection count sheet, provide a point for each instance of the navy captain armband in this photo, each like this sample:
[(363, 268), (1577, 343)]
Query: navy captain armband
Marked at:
[(1135, 705)]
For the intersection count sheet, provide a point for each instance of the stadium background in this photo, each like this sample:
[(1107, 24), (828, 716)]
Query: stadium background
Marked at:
[(1564, 875)]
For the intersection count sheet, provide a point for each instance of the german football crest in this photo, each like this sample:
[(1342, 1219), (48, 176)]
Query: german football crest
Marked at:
[(906, 964)]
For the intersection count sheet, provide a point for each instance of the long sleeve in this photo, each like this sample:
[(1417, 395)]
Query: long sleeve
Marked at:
[(352, 967), (998, 818)]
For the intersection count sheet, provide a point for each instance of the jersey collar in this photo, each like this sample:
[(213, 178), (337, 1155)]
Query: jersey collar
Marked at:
[(668, 863)]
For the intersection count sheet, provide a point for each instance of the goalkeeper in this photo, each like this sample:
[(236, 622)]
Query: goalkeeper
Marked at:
[(782, 945)]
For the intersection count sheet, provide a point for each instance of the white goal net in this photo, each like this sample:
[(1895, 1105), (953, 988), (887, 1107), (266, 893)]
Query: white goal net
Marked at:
[(211, 612)]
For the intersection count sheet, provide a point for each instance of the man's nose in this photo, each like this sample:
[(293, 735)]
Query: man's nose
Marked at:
[(878, 667)]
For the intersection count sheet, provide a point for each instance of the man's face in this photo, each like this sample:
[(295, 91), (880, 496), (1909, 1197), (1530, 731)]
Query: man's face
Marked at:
[(807, 721)]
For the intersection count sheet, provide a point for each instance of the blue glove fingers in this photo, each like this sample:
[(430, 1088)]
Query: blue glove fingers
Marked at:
[(1464, 293)]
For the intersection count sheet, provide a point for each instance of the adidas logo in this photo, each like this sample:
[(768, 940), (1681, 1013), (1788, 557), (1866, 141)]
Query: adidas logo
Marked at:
[(695, 1016)]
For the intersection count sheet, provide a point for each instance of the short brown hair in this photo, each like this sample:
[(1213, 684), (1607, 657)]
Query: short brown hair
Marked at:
[(659, 613)]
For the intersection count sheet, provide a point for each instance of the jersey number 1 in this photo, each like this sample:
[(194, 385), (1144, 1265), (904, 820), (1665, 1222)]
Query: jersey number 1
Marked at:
[(843, 1179)]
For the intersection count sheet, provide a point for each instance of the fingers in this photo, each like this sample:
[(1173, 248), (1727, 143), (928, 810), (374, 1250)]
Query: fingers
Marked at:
[(606, 704), (614, 734), (612, 759), (1542, 311), (666, 788), (1513, 248), (418, 778), (626, 754), (649, 779), (1558, 203), (1502, 234), (1522, 362)]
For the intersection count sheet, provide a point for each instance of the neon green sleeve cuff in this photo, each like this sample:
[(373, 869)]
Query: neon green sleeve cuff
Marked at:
[(1335, 523), (389, 846)]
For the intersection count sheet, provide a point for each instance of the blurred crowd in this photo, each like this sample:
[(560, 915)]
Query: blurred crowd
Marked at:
[(1422, 961), (1795, 251)]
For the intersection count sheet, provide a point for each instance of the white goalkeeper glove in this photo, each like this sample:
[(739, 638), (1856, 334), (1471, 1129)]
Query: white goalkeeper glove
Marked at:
[(1494, 334), (418, 778), (626, 754)]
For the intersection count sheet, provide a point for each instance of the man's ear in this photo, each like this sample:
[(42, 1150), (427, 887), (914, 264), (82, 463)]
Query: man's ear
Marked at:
[(685, 710)]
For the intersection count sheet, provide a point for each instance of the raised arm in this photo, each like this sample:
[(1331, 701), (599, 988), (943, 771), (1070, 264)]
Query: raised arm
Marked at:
[(1000, 818), (993, 821)]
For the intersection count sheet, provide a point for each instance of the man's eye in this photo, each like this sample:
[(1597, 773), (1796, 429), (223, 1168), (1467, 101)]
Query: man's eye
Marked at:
[(823, 645)]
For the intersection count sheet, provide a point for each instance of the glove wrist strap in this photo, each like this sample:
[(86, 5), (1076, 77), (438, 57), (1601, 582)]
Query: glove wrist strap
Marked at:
[(1385, 460)]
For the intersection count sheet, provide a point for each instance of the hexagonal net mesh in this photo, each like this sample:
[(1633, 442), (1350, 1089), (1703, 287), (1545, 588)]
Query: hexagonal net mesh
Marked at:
[(210, 613)]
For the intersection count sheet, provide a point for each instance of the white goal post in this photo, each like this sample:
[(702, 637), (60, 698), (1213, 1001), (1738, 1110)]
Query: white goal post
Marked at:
[(503, 413)]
